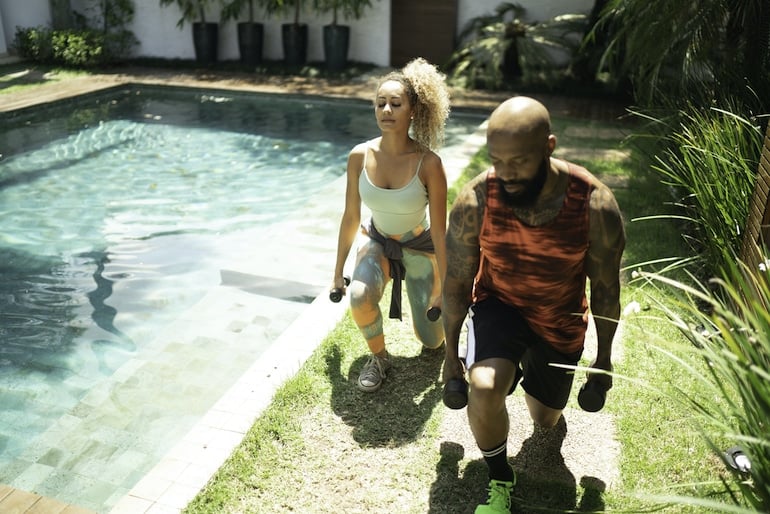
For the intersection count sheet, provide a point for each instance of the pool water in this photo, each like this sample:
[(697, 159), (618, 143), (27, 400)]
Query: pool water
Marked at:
[(119, 212)]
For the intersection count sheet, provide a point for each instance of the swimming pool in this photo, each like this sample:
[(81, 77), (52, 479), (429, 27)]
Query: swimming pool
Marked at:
[(120, 211)]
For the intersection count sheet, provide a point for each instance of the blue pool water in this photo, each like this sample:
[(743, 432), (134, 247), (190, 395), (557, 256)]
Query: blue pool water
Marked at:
[(119, 210)]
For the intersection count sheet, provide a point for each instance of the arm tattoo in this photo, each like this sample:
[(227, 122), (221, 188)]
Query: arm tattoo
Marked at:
[(463, 237)]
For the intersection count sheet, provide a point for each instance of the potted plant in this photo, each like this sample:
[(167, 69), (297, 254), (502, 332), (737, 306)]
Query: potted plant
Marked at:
[(337, 37), (293, 35), (205, 34), (250, 33)]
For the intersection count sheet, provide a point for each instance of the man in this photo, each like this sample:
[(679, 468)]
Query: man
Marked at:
[(522, 239)]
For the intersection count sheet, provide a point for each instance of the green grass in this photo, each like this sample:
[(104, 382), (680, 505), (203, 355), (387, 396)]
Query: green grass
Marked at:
[(24, 76), (381, 452)]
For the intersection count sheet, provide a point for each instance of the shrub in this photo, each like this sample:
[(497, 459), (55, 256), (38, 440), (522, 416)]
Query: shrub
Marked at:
[(34, 43), (78, 48), (91, 41), (500, 49)]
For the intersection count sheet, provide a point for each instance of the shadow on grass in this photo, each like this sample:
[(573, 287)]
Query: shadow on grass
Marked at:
[(395, 414), (543, 481), (24, 77)]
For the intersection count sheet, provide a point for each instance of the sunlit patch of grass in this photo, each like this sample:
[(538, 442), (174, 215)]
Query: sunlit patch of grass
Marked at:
[(19, 77)]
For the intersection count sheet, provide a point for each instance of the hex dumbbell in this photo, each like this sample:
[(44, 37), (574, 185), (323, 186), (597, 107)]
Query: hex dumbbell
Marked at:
[(456, 393), (592, 396), (337, 293)]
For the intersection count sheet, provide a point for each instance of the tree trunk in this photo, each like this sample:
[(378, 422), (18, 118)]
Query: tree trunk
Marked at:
[(585, 65), (61, 14), (756, 57)]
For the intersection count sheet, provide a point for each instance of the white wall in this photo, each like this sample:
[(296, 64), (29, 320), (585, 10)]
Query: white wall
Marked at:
[(156, 29), (3, 48), (26, 13)]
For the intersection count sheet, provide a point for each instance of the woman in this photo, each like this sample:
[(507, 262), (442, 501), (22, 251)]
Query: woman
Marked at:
[(401, 179)]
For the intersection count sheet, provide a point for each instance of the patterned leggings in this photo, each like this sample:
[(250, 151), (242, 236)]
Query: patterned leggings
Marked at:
[(422, 284)]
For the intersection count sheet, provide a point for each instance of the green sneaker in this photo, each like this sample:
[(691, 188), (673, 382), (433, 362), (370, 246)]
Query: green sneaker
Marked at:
[(374, 373), (499, 500)]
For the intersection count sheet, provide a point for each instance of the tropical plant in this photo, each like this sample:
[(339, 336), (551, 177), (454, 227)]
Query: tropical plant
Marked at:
[(709, 158), (711, 49), (285, 7), (192, 10), (500, 48), (731, 336)]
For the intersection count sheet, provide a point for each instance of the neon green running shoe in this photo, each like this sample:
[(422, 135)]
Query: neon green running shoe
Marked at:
[(499, 500)]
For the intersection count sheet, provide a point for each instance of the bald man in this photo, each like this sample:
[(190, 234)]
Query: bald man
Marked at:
[(523, 237)]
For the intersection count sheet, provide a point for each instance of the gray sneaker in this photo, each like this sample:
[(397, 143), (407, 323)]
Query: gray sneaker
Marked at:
[(374, 372)]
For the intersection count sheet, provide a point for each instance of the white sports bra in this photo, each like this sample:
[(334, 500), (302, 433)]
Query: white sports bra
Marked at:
[(395, 211)]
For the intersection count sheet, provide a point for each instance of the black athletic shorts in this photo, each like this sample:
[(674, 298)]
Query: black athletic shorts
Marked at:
[(497, 330)]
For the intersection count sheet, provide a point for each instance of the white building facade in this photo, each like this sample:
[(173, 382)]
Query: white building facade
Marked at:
[(156, 27)]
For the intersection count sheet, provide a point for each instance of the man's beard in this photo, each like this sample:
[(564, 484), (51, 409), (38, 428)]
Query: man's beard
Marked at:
[(527, 197)]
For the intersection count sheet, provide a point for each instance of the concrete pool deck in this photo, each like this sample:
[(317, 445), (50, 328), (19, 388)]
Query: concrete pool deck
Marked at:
[(227, 314)]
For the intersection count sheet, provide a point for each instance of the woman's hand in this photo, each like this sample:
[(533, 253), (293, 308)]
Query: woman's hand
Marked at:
[(339, 288)]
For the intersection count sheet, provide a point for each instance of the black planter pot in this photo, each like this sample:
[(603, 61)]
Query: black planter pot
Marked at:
[(294, 38), (206, 42), (336, 43), (250, 42)]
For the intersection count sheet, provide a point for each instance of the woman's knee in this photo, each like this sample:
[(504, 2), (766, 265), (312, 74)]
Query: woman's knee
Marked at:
[(367, 287)]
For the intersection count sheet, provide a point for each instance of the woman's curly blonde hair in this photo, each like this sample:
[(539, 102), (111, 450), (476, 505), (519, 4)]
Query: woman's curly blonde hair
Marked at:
[(428, 95)]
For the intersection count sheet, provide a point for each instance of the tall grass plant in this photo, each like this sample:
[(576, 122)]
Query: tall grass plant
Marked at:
[(729, 360), (709, 160)]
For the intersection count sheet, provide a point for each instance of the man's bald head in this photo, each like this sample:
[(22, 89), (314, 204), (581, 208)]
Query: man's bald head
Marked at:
[(520, 116)]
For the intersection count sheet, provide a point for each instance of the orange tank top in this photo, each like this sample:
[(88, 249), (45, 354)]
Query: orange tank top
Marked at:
[(539, 270)]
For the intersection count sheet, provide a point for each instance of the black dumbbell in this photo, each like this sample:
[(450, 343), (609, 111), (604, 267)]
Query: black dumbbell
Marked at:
[(591, 396), (433, 313), (337, 293), (456, 393)]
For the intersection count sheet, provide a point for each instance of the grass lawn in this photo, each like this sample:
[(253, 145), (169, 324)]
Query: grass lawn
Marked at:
[(322, 446), (21, 76)]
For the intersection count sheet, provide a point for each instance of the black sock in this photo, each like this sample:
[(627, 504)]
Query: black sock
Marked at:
[(497, 461)]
